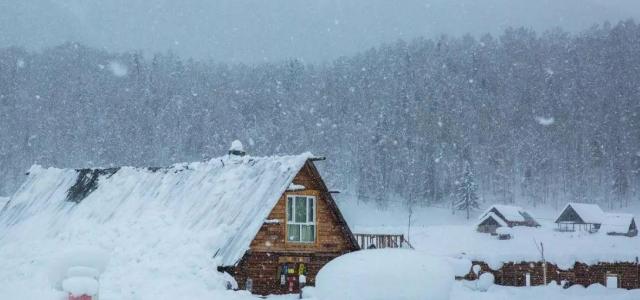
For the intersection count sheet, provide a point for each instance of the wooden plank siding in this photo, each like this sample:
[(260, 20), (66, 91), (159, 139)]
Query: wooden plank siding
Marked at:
[(270, 248)]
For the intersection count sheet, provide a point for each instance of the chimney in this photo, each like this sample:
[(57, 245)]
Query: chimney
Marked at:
[(236, 149)]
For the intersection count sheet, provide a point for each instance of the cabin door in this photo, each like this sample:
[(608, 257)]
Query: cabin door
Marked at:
[(527, 279), (612, 281)]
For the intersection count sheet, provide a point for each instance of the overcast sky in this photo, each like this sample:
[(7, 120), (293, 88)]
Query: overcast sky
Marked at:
[(259, 30)]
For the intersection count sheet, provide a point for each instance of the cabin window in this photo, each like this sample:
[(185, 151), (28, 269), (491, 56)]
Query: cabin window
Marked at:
[(301, 222)]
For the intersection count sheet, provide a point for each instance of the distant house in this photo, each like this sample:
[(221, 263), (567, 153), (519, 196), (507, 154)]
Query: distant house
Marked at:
[(619, 224), (504, 216), (490, 222), (580, 216)]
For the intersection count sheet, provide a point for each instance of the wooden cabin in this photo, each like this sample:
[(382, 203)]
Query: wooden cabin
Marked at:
[(266, 221), (490, 222), (619, 224), (303, 231), (580, 216), (504, 216)]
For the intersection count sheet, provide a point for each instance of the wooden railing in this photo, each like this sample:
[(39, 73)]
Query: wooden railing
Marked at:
[(378, 241)]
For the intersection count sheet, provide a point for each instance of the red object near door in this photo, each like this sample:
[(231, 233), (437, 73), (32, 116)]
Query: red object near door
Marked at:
[(81, 297)]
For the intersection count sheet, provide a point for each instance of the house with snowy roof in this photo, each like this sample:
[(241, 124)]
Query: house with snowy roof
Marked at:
[(580, 216), (266, 221), (619, 224), (581, 258), (504, 216)]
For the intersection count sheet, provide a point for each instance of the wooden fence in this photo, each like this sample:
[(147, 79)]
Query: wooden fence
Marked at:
[(378, 241)]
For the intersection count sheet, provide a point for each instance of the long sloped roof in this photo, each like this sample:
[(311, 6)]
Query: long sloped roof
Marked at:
[(493, 216), (221, 203), (616, 223), (589, 213), (510, 213)]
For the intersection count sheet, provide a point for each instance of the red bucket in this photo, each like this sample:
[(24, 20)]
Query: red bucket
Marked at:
[(81, 297)]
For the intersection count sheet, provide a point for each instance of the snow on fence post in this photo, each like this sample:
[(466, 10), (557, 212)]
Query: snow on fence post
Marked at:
[(544, 262)]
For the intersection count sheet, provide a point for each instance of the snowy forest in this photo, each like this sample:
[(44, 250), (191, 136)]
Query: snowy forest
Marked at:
[(540, 118)]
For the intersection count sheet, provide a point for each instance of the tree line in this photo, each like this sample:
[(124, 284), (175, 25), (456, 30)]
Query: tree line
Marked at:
[(541, 119)]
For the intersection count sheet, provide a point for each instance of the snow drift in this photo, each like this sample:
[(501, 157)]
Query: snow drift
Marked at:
[(385, 274), (163, 230)]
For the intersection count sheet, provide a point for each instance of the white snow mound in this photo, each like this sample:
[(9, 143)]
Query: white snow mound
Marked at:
[(384, 274), (78, 286)]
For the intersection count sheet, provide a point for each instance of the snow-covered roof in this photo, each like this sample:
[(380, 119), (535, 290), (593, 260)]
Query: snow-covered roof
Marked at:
[(511, 213), (295, 187), (589, 213), (219, 204), (491, 215), (616, 223), (561, 248)]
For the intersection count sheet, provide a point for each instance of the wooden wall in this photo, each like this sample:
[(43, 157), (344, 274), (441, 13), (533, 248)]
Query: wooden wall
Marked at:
[(513, 274), (270, 248)]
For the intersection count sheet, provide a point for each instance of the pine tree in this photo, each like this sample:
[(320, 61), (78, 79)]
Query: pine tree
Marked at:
[(466, 191), (620, 186)]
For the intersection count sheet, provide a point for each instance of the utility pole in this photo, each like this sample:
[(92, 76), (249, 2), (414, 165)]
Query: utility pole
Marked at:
[(544, 262), (409, 223)]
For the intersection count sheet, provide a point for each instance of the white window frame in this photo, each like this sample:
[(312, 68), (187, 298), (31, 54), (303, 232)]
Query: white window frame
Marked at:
[(309, 199)]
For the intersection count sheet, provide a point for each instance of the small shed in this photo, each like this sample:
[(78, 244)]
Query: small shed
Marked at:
[(511, 215), (580, 216), (490, 222), (619, 224)]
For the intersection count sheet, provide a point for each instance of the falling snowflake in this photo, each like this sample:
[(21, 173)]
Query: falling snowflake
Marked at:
[(544, 121), (549, 71), (118, 69)]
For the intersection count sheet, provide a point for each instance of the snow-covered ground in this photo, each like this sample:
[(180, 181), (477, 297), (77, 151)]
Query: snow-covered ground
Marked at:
[(459, 291), (561, 248), (551, 292), (174, 265), (436, 231)]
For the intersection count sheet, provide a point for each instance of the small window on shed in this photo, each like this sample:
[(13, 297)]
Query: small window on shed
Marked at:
[(612, 281)]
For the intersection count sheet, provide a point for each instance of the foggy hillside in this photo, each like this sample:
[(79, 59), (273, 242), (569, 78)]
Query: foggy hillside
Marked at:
[(541, 117)]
